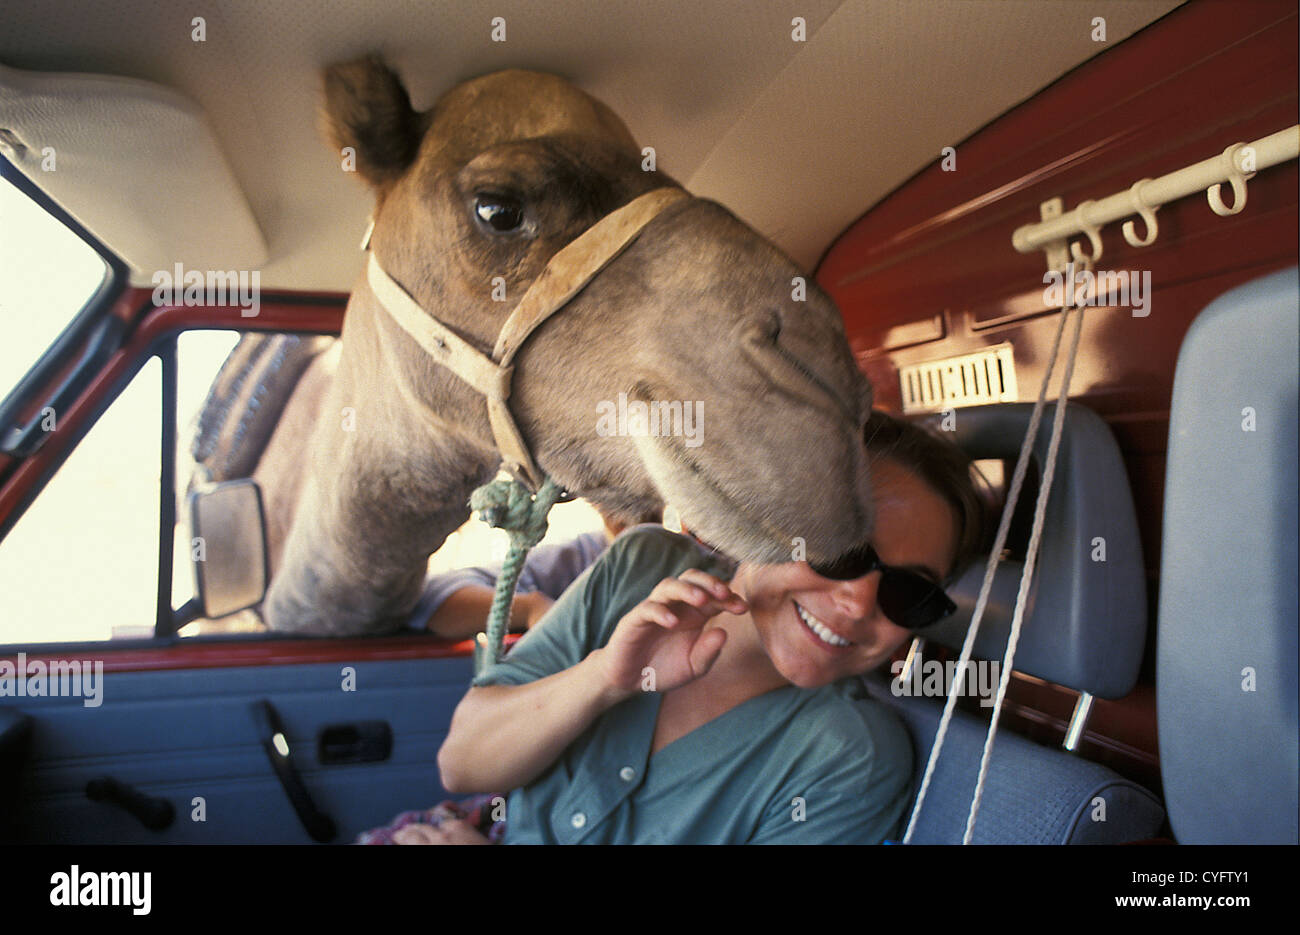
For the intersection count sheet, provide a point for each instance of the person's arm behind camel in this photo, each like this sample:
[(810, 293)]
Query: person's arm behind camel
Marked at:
[(462, 598), (464, 613)]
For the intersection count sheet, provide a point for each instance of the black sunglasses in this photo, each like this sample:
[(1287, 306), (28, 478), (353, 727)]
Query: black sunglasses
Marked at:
[(909, 599)]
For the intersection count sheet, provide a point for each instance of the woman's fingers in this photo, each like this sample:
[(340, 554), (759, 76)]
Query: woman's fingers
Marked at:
[(460, 831), (667, 631), (706, 650), (716, 586), (702, 592), (661, 613), (723, 596), (450, 831), (693, 598), (417, 834)]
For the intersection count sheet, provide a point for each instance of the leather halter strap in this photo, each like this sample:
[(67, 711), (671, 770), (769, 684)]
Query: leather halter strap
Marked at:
[(564, 276)]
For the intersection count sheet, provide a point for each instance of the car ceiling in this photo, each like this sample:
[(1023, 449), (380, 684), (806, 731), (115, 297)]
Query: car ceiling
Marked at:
[(797, 138)]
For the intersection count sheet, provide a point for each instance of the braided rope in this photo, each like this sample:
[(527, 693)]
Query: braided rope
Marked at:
[(508, 504), (995, 558), (1031, 558)]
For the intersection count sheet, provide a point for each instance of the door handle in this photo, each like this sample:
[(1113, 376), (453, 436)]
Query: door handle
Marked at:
[(363, 742), (319, 826), (154, 813)]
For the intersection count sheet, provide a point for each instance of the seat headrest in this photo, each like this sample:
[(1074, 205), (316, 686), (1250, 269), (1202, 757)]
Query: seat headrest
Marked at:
[(1226, 638), (1086, 620)]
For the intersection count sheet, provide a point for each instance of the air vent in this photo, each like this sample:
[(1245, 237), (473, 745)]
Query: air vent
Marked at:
[(966, 380)]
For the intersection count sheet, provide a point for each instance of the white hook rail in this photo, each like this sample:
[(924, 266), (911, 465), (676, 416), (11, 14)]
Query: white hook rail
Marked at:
[(1235, 165)]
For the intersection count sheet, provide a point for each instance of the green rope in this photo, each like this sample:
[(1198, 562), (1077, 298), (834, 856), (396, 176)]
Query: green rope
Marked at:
[(509, 505)]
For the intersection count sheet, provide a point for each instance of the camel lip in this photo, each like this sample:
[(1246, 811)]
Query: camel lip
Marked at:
[(778, 542), (706, 477)]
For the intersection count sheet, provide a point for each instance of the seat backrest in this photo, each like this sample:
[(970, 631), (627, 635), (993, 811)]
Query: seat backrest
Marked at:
[(1033, 794), (1226, 643), (1086, 620), (1084, 628)]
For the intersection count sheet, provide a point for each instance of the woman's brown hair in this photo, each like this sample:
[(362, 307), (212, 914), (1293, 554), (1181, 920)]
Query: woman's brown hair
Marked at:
[(947, 469)]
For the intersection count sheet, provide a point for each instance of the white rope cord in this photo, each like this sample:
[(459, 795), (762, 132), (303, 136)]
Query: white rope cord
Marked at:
[(995, 557), (1031, 557)]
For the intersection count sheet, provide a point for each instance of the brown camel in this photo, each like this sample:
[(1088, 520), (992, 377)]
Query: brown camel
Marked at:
[(473, 198)]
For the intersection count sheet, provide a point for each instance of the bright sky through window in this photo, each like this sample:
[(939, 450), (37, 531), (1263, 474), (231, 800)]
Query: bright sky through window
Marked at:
[(46, 275)]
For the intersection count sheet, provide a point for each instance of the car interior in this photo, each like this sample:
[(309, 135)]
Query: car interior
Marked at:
[(896, 151)]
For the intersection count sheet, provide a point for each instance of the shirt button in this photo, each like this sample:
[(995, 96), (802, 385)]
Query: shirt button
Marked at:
[(578, 819), (627, 774)]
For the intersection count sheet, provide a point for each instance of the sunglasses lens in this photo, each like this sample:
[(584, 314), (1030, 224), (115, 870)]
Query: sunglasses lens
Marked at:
[(913, 601), (850, 566), (910, 600)]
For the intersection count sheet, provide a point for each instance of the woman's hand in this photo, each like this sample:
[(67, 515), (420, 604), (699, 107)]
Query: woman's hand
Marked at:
[(663, 638), (451, 831)]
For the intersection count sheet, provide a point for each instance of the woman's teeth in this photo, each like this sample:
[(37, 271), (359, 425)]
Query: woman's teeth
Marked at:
[(820, 630)]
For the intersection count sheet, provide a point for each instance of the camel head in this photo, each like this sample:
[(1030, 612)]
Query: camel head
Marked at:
[(698, 368)]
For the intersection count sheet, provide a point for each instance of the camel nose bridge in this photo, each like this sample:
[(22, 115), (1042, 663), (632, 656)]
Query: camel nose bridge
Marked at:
[(815, 328), (710, 234), (802, 370)]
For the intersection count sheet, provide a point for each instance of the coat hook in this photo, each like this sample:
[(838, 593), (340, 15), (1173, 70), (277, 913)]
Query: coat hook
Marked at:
[(1094, 236), (1238, 181), (1144, 211)]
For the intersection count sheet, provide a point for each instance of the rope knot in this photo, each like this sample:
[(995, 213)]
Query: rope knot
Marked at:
[(509, 505)]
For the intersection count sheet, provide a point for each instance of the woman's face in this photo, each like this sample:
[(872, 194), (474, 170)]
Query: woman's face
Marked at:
[(915, 529)]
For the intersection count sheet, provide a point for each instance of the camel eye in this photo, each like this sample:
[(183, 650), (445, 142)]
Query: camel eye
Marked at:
[(498, 212)]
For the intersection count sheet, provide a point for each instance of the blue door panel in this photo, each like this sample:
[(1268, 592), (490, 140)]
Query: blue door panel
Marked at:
[(184, 734)]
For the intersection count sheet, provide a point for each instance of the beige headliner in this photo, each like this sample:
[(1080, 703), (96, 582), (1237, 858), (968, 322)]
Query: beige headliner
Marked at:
[(797, 138)]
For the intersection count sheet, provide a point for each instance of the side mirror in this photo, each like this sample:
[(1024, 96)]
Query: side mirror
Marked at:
[(230, 560)]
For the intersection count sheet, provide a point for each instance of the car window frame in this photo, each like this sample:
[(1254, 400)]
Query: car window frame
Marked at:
[(93, 330), (168, 619), (35, 489)]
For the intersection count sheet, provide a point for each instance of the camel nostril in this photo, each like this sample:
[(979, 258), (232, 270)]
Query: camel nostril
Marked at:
[(641, 392), (772, 327), (761, 326)]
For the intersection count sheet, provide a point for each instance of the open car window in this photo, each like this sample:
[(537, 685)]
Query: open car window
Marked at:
[(50, 274), (57, 288), (81, 564), (200, 355)]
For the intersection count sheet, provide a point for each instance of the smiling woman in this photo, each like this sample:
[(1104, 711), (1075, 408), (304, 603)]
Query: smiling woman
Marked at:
[(703, 702)]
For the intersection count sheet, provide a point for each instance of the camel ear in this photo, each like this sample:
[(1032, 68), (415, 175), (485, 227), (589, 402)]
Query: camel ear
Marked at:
[(367, 108)]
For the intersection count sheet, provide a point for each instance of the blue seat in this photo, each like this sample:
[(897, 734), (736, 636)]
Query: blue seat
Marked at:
[(1084, 628), (1226, 643)]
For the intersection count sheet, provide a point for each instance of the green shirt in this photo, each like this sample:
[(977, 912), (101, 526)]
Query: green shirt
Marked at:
[(797, 766)]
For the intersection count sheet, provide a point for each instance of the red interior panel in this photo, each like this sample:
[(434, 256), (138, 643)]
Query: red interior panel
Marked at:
[(930, 272)]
